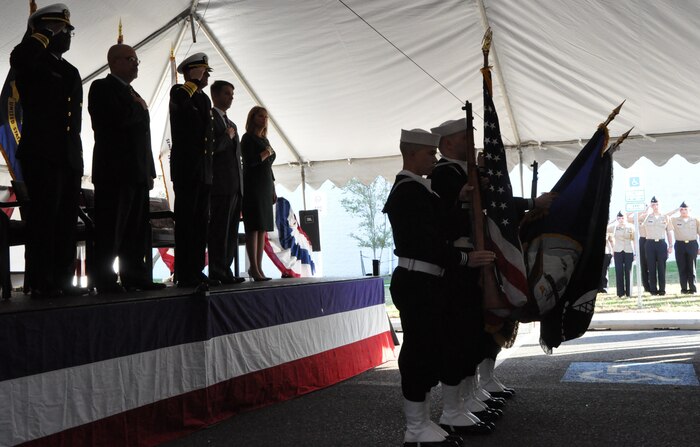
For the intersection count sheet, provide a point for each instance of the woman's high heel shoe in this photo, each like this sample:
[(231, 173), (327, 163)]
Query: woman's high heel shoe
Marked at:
[(258, 278)]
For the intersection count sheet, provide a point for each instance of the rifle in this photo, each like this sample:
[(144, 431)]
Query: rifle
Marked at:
[(533, 189)]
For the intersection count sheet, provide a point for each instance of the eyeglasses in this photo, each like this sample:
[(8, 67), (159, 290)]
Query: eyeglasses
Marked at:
[(133, 59), (69, 32)]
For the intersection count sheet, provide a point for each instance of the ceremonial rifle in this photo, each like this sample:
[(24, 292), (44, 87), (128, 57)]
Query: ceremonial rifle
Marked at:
[(487, 279), (533, 189)]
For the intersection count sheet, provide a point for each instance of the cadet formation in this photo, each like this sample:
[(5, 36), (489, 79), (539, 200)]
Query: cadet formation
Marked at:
[(205, 166), (659, 236)]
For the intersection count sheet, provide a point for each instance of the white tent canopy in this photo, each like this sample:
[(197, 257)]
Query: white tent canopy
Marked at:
[(341, 78)]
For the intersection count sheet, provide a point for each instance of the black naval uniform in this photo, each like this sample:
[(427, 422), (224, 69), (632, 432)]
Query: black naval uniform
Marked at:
[(122, 171), (643, 267), (191, 170), (51, 156), (465, 322), (417, 289), (226, 198)]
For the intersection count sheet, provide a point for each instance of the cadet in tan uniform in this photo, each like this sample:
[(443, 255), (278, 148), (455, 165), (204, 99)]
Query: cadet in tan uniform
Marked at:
[(657, 250), (621, 235), (686, 230), (644, 270)]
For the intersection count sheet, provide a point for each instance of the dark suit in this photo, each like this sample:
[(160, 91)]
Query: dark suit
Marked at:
[(191, 170), (122, 168), (51, 156), (226, 194)]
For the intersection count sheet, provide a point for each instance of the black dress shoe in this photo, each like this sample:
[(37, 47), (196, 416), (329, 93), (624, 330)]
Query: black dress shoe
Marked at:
[(480, 428), (231, 280), (501, 394), (112, 288), (209, 281), (446, 443), (495, 402), (489, 415), (145, 286), (45, 293), (75, 291)]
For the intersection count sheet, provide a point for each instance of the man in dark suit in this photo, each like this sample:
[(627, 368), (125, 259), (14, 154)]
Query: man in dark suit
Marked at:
[(191, 169), (50, 150), (123, 173), (226, 188)]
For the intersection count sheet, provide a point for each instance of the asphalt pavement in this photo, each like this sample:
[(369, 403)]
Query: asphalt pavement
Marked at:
[(608, 388)]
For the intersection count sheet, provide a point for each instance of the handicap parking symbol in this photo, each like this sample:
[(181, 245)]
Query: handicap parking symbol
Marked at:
[(632, 373), (635, 182)]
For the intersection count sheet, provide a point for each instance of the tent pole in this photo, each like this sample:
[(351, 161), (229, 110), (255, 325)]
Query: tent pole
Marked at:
[(166, 70), (303, 185), (232, 66)]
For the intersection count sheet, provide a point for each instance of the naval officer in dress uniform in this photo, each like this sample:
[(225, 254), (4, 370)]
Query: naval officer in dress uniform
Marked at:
[(686, 230), (643, 269), (50, 150), (417, 284), (657, 249), (191, 121), (621, 236)]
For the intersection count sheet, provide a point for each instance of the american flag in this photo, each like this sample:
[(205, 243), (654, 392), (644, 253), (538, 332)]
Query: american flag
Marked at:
[(502, 215)]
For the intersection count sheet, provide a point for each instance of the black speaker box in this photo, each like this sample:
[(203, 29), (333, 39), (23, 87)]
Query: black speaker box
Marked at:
[(309, 223)]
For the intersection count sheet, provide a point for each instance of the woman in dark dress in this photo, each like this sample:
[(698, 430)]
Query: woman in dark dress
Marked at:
[(258, 188)]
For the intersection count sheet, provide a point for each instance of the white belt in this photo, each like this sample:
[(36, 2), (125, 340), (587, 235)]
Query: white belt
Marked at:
[(463, 242), (414, 265)]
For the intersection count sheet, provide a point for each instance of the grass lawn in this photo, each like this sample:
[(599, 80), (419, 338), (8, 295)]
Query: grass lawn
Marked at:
[(673, 301)]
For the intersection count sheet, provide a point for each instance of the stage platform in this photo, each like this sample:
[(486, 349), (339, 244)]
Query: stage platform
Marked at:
[(139, 369)]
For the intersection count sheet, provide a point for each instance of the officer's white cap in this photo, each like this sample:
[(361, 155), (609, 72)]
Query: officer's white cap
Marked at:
[(194, 61), (58, 12), (450, 127), (420, 136)]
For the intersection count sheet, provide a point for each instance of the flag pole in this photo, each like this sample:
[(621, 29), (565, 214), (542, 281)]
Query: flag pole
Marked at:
[(490, 287)]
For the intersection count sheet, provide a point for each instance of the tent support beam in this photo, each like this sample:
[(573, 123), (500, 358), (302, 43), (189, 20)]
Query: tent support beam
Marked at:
[(177, 19), (166, 70), (303, 185), (232, 66)]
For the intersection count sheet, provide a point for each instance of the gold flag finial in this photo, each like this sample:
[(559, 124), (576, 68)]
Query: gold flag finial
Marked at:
[(486, 41), (32, 7), (616, 145), (120, 36), (486, 46), (613, 114)]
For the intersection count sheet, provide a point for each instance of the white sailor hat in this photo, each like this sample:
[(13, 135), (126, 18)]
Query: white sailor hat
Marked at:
[(194, 61), (450, 127), (58, 12), (420, 136)]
